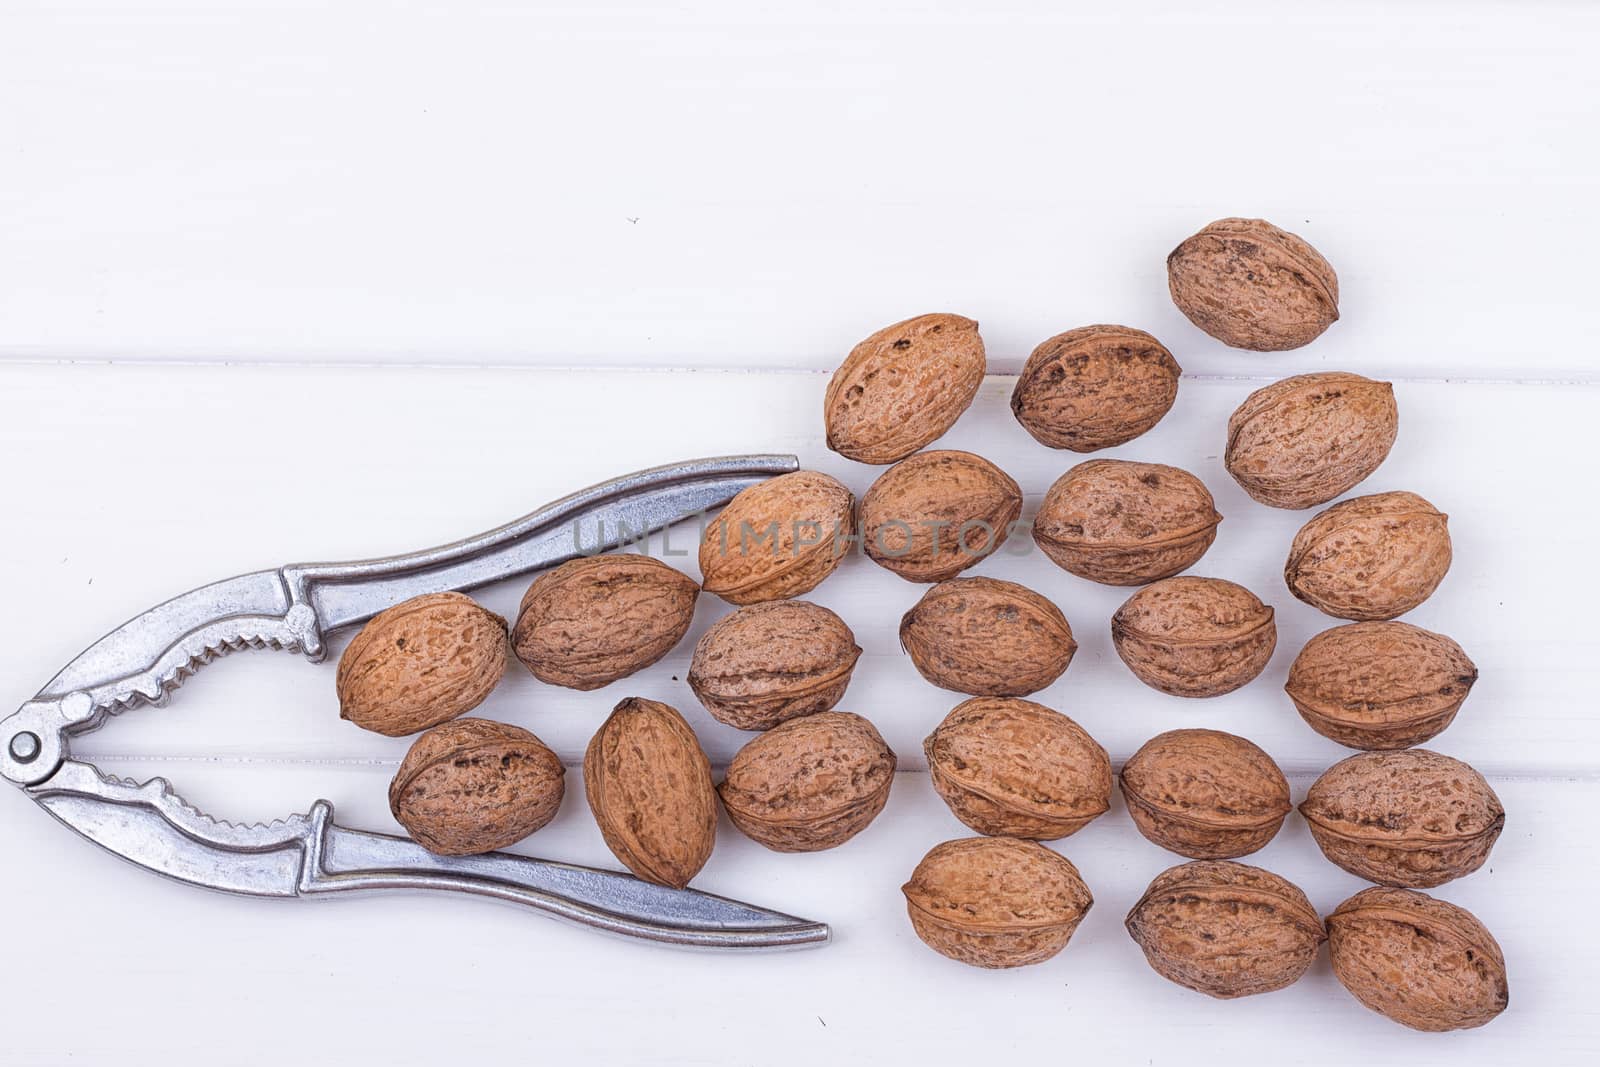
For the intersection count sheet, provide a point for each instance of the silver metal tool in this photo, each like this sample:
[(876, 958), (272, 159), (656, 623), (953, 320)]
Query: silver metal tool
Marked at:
[(292, 608)]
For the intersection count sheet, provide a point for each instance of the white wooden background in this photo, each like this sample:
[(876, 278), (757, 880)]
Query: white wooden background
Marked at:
[(297, 280)]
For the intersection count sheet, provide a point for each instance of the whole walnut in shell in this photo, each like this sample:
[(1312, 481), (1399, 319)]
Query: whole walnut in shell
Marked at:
[(591, 621), (1194, 637), (473, 786), (1123, 523), (930, 517), (809, 784), (1095, 387), (1422, 962), (1411, 818), (1205, 794), (903, 387), (987, 637), (996, 901), (768, 663), (1226, 929), (1380, 685), (1307, 439), (778, 539), (420, 663), (1370, 558), (1012, 768), (648, 783), (1251, 285)]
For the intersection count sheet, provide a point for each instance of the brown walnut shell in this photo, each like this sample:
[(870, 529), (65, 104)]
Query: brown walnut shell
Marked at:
[(473, 786), (930, 517), (986, 637), (768, 663), (1095, 387), (1012, 768), (421, 663), (1226, 929), (1251, 285), (996, 901), (809, 784), (778, 539), (1370, 558), (1422, 962), (1205, 794), (1411, 818), (1123, 523), (1380, 685), (648, 783), (1307, 439), (903, 387), (591, 621), (1194, 637)]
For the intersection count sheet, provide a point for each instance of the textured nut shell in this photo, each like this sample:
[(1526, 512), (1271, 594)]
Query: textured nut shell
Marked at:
[(1123, 523), (1095, 387), (1194, 637), (592, 621), (768, 663), (975, 501), (1412, 818), (987, 637), (1370, 558), (420, 663), (1305, 440), (903, 387), (473, 786), (996, 901), (743, 569), (810, 784), (1251, 285), (1380, 685), (1422, 962), (1205, 794), (1226, 929), (648, 783), (1013, 768)]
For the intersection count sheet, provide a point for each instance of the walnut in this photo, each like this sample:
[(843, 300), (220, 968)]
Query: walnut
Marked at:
[(903, 387), (591, 621), (1095, 387), (1422, 962), (421, 663), (1226, 929), (1370, 558), (987, 637), (648, 783), (1012, 768), (996, 901), (1194, 637), (1123, 523), (768, 663), (809, 784), (778, 539), (473, 786), (930, 517), (1205, 794), (1412, 818), (1251, 285), (1307, 439), (1380, 685)]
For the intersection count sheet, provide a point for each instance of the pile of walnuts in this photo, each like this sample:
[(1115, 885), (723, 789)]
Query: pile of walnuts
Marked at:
[(1014, 771)]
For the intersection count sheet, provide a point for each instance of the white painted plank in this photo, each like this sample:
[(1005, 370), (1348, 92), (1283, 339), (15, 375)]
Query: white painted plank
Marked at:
[(710, 184), (131, 484), (99, 950)]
